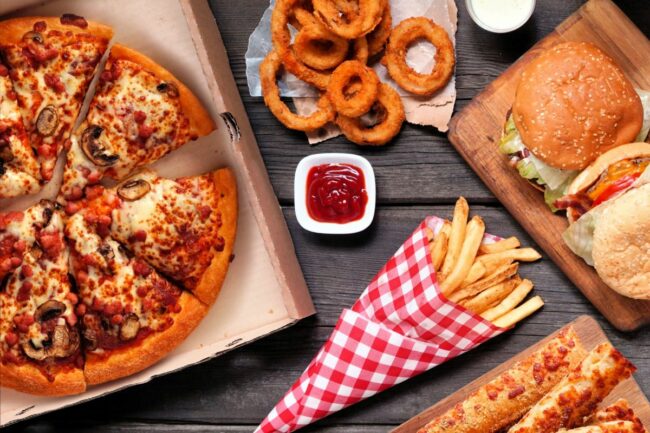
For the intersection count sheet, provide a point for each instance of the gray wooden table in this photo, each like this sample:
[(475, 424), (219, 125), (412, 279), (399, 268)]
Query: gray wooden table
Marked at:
[(418, 175)]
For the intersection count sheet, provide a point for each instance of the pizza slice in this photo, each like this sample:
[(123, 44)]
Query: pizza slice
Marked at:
[(39, 342), (185, 228), (130, 317), (139, 113), (19, 170), (51, 63)]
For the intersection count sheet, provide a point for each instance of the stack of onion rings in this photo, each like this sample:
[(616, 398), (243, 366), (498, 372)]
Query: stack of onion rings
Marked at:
[(405, 34), (331, 49)]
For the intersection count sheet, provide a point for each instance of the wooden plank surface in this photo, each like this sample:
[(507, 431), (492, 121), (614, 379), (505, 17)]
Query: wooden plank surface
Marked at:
[(590, 334), (475, 132), (418, 175)]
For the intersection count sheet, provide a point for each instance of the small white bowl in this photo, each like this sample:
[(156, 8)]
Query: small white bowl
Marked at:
[(300, 194), (477, 19)]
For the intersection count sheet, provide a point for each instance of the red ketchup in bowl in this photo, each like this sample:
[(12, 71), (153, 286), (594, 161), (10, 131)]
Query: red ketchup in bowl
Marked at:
[(336, 193)]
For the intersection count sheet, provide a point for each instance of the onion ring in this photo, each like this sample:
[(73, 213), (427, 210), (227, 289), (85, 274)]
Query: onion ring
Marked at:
[(379, 36), (346, 25), (280, 34), (317, 47), (268, 73), (402, 36), (362, 100), (383, 131)]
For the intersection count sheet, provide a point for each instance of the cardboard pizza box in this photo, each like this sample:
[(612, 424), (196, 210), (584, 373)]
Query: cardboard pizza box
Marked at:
[(265, 290)]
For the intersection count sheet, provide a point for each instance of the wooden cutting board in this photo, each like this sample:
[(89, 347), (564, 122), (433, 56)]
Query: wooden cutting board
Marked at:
[(476, 130), (591, 335)]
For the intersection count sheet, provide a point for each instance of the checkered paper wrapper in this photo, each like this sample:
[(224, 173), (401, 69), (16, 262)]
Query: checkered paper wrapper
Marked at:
[(400, 326)]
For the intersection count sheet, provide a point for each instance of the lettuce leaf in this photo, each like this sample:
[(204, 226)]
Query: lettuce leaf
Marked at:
[(579, 237), (555, 181), (645, 102)]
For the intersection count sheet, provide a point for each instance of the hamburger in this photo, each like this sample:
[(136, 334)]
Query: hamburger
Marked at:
[(572, 104), (608, 205)]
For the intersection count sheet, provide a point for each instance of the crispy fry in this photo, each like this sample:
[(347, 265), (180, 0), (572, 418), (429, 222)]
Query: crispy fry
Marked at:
[(476, 272), (439, 250), (473, 237), (510, 302), (504, 244), (492, 265), (521, 254), (519, 313), (457, 235), (491, 296), (484, 283)]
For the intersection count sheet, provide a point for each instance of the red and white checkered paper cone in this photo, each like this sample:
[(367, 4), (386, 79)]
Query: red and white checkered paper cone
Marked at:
[(399, 327)]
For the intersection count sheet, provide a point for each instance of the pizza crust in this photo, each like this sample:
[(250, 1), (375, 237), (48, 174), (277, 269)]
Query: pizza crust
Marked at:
[(12, 31), (210, 283), (29, 379), (200, 121), (130, 360)]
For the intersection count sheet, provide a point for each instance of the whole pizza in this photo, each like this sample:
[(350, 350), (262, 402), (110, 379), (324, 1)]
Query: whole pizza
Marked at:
[(100, 282)]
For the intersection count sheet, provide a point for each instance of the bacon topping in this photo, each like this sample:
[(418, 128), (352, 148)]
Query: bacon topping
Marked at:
[(74, 20)]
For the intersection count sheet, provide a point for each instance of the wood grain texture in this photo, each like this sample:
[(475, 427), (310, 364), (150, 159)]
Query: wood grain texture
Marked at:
[(419, 174), (590, 334), (476, 130)]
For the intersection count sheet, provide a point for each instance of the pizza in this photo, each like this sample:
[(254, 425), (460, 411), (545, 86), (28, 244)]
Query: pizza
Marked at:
[(181, 227), (39, 340), (129, 315), (139, 113), (141, 285), (51, 62), (19, 170), (107, 278)]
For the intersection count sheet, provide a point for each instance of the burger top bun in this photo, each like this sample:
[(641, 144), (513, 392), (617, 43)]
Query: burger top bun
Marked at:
[(591, 174), (573, 103), (621, 248)]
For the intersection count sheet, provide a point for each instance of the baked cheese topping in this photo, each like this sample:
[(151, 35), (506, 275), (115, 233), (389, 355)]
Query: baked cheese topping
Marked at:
[(19, 171), (138, 119), (38, 316), (578, 393), (51, 71), (172, 226), (122, 298)]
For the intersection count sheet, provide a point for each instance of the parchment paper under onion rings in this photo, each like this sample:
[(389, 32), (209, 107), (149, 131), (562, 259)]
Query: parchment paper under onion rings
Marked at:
[(350, 26), (408, 32), (382, 132), (319, 48), (363, 97), (269, 70)]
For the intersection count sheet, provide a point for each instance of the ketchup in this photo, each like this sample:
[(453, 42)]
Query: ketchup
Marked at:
[(336, 193)]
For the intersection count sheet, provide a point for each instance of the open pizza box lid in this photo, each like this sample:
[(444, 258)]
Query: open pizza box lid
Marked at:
[(264, 290)]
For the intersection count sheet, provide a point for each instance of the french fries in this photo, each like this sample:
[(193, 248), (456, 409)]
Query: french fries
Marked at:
[(510, 302), (503, 245), (473, 237), (520, 313), (482, 278), (491, 296), (457, 236)]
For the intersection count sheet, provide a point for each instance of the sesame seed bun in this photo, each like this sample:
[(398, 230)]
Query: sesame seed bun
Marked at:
[(573, 103), (591, 174), (621, 248)]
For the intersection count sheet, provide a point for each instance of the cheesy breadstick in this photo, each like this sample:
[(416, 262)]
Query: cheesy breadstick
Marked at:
[(501, 402), (578, 393)]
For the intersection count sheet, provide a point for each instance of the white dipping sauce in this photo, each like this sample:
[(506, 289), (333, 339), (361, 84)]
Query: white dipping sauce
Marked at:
[(502, 14)]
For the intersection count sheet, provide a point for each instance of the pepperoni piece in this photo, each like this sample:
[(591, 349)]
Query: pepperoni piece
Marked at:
[(140, 116), (11, 338), (54, 82), (141, 268), (145, 131)]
